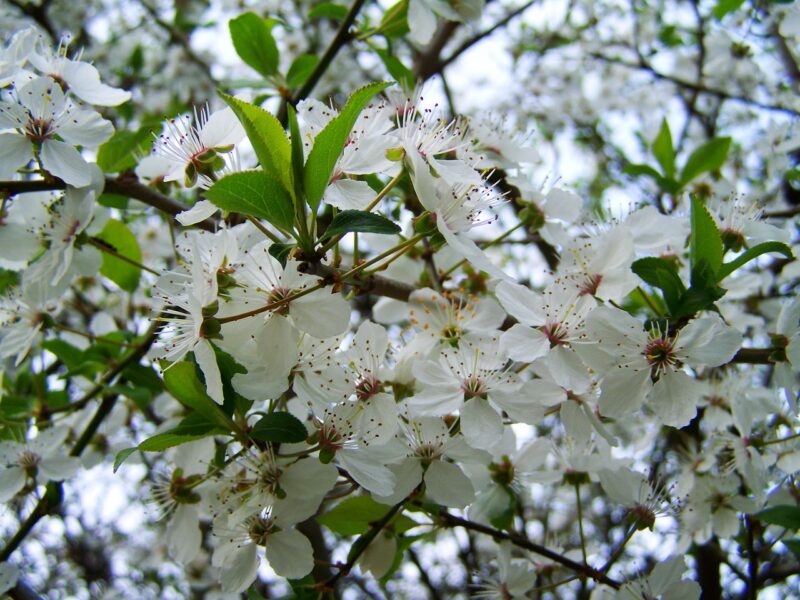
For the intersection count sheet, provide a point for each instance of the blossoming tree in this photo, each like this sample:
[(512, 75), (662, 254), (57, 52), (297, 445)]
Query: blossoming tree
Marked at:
[(319, 333)]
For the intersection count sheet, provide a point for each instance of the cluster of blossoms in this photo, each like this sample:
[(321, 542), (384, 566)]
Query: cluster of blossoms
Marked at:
[(474, 392)]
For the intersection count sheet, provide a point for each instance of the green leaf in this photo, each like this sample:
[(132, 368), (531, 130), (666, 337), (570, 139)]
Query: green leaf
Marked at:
[(661, 274), (399, 72), (182, 382), (281, 251), (254, 193), (724, 7), (194, 427), (118, 237), (698, 298), (120, 152), (784, 515), (280, 427), (664, 151), (354, 515), (639, 170), (328, 10), (253, 41), (298, 157), (268, 138), (301, 70), (360, 220), (330, 141), (707, 157), (122, 456), (752, 253), (66, 353), (705, 246), (394, 23)]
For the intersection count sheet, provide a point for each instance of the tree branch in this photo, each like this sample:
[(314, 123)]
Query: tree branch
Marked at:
[(342, 37), (451, 520)]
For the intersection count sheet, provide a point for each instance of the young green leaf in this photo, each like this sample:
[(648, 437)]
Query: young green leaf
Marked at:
[(268, 138), (191, 428), (253, 41), (182, 382), (301, 69), (254, 193), (279, 427), (353, 516), (330, 141), (122, 456), (752, 253), (784, 515), (664, 151), (117, 237), (724, 7), (348, 221), (661, 274), (395, 20), (707, 157), (705, 247), (328, 10), (120, 151)]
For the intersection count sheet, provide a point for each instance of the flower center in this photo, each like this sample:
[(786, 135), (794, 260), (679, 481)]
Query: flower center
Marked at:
[(277, 295), (474, 387), (556, 334), (590, 285), (29, 460), (660, 353), (259, 529), (38, 130), (367, 387)]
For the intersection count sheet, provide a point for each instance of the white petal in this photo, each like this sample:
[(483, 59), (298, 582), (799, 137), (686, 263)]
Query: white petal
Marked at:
[(524, 343), (369, 474), (349, 194), (207, 361), (59, 468), (11, 481), (9, 574), (183, 533), (481, 425), (520, 302), (290, 554), (322, 314), (239, 570), (199, 212), (421, 22), (709, 341), (674, 398), (446, 484), (84, 82), (222, 129), (623, 392), (469, 250), (15, 152), (63, 161)]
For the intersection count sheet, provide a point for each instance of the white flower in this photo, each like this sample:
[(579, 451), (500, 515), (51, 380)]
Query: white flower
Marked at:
[(191, 144), (79, 78), (664, 581), (288, 551), (358, 378), (40, 459), (632, 359), (515, 577), (474, 380), (42, 113), (364, 152), (429, 445)]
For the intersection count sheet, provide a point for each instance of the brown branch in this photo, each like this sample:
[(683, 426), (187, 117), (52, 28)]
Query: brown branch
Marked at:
[(451, 520), (340, 39), (468, 43), (124, 185), (754, 356)]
